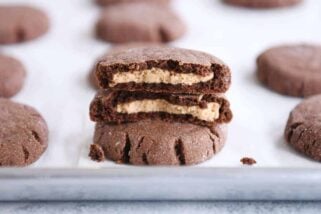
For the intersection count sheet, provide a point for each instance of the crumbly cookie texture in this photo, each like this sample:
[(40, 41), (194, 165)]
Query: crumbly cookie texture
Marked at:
[(130, 106), (164, 69)]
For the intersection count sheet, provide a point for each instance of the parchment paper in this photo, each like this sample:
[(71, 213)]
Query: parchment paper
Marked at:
[(59, 62)]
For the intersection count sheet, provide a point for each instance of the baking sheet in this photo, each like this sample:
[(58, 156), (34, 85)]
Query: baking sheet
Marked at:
[(59, 62)]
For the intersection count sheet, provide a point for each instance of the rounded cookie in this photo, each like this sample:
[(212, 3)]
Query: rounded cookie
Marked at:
[(303, 129), (111, 2), (116, 49), (21, 23), (155, 142), (23, 134), (291, 70), (12, 76), (139, 22), (263, 3)]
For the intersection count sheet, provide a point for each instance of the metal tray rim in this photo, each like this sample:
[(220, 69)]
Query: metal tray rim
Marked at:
[(160, 183)]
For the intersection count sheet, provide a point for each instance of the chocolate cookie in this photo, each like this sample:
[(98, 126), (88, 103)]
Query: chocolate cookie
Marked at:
[(155, 142), (12, 76), (291, 70), (116, 49), (23, 134), (111, 2), (164, 69), (303, 129), (139, 22), (263, 3), (21, 23), (123, 106)]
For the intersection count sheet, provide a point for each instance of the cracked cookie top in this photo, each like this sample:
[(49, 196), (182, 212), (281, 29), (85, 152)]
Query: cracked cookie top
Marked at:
[(155, 142), (303, 129)]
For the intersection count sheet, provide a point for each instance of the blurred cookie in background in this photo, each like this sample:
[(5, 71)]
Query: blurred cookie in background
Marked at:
[(139, 22), (12, 76), (115, 49), (293, 70), (111, 2), (263, 3), (21, 23)]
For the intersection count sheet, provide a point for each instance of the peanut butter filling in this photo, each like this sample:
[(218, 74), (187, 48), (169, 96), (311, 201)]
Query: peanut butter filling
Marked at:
[(210, 113), (157, 75)]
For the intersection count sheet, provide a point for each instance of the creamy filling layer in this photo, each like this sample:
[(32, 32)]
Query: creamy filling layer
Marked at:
[(210, 113), (157, 75)]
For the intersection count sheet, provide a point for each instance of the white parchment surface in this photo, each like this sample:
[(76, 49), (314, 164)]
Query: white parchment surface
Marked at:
[(59, 62)]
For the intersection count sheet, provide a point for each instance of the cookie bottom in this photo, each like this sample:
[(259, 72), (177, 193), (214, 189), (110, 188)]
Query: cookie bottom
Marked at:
[(155, 142)]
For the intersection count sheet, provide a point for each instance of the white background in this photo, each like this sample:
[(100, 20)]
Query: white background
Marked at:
[(59, 62)]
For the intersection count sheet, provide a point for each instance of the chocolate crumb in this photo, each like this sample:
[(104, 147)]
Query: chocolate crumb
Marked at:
[(96, 153), (248, 161)]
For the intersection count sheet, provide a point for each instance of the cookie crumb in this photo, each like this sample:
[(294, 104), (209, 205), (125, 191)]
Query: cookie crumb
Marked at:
[(96, 153), (248, 161)]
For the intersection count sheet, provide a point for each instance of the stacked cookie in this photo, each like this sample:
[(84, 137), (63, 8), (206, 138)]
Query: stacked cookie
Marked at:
[(160, 106)]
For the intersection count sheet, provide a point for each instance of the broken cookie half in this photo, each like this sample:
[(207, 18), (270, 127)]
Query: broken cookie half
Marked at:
[(163, 69), (123, 106)]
